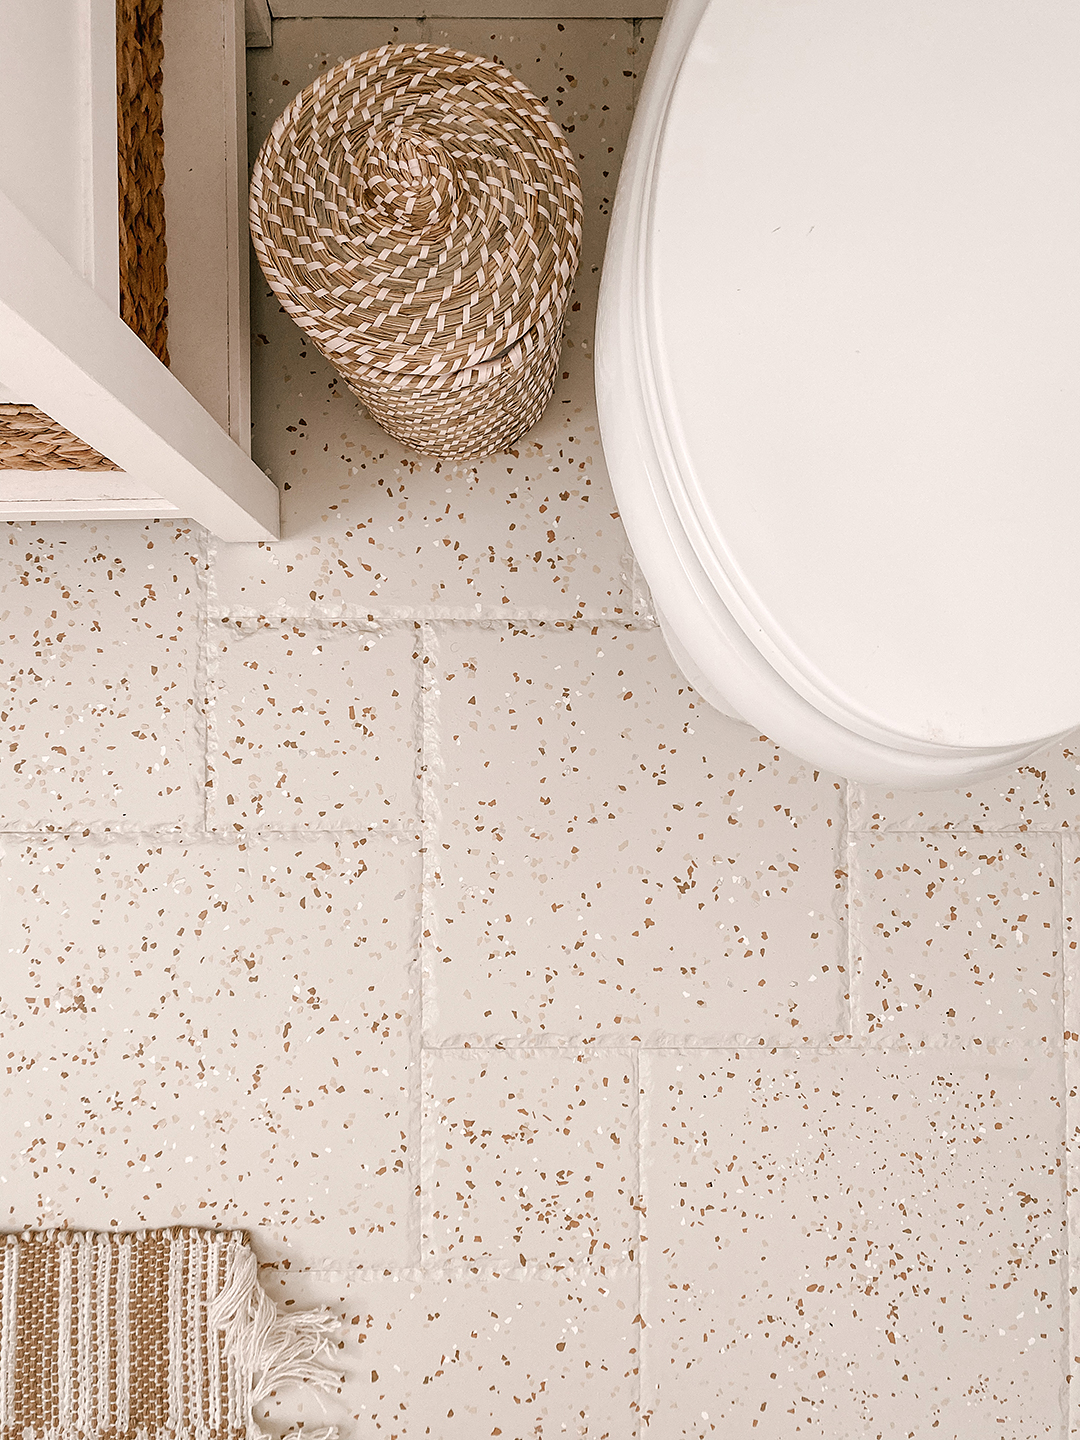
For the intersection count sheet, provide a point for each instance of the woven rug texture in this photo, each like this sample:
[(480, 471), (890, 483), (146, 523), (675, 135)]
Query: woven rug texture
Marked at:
[(145, 1335)]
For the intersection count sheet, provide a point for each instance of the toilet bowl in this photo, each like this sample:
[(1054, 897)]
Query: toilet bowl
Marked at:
[(838, 373)]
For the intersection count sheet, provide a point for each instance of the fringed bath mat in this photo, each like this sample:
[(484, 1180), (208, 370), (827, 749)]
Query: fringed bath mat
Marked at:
[(145, 1335)]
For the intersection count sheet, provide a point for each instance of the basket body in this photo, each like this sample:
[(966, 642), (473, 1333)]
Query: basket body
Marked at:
[(418, 213)]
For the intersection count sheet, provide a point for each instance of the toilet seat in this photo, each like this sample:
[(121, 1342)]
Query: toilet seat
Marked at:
[(777, 516)]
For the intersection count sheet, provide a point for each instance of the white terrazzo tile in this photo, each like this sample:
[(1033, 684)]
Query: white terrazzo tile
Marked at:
[(458, 1357), (958, 939), (530, 1158), (617, 862), (216, 1035), (854, 1244), (312, 726), (371, 528), (101, 631), (1041, 794)]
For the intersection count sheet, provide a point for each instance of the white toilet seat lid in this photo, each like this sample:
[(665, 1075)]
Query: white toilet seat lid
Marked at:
[(863, 277)]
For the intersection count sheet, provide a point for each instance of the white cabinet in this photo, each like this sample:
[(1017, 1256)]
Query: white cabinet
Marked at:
[(180, 436)]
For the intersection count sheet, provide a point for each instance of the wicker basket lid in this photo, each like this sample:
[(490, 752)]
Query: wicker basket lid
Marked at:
[(418, 212)]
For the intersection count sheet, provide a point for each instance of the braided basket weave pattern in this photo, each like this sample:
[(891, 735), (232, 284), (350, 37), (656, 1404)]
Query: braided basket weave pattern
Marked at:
[(418, 213), (32, 440)]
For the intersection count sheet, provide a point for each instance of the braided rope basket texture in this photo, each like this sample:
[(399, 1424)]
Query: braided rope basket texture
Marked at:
[(32, 440), (418, 213), (143, 280)]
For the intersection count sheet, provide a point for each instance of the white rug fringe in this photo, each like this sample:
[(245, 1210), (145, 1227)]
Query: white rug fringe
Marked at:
[(270, 1348)]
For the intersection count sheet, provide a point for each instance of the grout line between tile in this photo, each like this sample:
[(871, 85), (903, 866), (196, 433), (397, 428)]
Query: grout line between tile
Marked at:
[(635, 41), (404, 617), (847, 847), (426, 1187), (643, 1078), (75, 828), (855, 1007), (312, 619), (194, 835), (430, 770), (213, 664), (571, 1045), (932, 832), (1071, 1071), (575, 1271), (213, 544), (583, 1044), (209, 667), (203, 680)]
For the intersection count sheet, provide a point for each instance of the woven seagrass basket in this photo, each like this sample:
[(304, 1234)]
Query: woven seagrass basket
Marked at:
[(418, 213)]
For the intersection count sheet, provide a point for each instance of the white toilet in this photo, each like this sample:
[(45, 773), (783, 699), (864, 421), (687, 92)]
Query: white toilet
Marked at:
[(838, 367)]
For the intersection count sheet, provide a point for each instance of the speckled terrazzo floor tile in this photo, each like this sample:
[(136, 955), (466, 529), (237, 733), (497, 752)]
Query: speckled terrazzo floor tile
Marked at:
[(958, 939), (530, 1157), (372, 528), (847, 1244), (617, 862), (101, 628), (610, 866), (1041, 794), (458, 1357), (312, 726), (212, 1034)]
